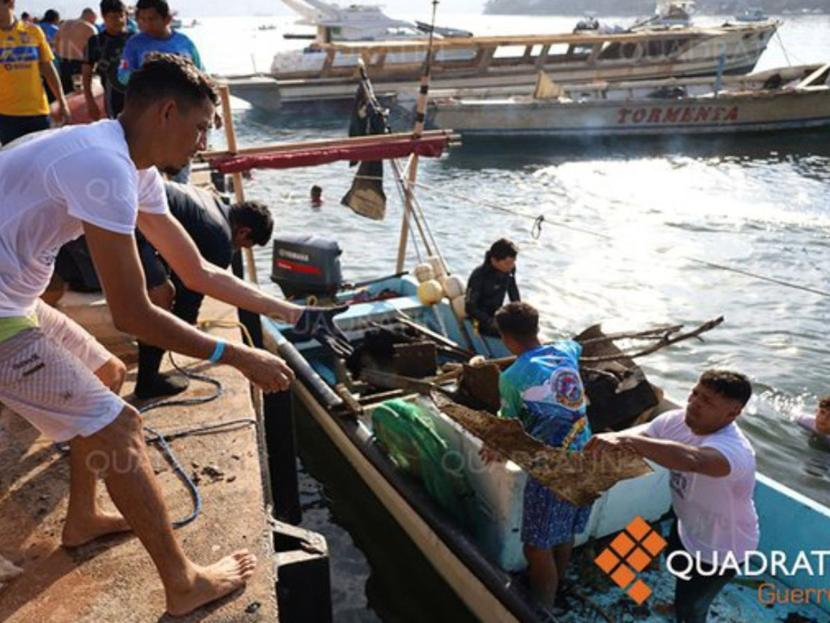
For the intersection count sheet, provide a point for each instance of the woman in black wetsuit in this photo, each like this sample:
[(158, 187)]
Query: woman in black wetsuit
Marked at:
[(490, 282)]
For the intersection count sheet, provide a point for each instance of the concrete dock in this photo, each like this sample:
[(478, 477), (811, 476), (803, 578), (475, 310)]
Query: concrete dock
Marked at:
[(114, 579)]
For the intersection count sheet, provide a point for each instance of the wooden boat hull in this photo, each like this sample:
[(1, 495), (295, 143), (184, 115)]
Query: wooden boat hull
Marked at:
[(725, 114)]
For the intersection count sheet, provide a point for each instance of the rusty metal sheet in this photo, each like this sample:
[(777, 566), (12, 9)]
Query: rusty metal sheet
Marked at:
[(577, 477)]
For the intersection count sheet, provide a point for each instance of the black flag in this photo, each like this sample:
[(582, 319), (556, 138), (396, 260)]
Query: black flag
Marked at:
[(366, 196)]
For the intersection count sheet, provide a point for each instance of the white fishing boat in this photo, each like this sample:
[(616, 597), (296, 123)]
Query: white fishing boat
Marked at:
[(359, 22), (779, 99), (668, 14), (324, 71), (752, 15)]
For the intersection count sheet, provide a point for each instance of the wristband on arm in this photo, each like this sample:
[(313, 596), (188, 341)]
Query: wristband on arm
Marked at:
[(218, 352)]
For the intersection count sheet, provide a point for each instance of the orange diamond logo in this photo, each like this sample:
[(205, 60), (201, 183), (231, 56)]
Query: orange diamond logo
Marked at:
[(637, 546), (638, 528), (639, 592), (607, 561), (623, 576), (622, 544), (638, 559), (655, 544)]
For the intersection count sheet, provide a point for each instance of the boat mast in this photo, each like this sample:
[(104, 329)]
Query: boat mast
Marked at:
[(239, 191), (412, 166)]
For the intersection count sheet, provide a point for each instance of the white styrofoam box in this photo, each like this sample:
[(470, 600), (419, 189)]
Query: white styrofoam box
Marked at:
[(499, 490), (648, 496)]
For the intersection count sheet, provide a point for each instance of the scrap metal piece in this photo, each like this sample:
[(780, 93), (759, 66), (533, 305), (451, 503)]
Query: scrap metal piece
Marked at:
[(577, 477)]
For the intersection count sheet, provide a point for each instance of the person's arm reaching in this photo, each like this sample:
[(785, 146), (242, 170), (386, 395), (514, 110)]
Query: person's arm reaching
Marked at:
[(174, 244), (122, 278), (670, 454)]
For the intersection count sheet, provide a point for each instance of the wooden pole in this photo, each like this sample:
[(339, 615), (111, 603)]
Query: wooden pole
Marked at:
[(412, 173), (412, 167), (239, 191)]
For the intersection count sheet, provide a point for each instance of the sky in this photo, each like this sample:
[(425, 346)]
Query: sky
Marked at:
[(71, 8)]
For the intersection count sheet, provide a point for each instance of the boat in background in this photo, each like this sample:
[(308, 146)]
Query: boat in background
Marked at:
[(668, 14), (752, 15), (788, 98), (324, 73), (360, 22)]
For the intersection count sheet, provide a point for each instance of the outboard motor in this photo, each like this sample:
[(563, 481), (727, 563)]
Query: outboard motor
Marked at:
[(306, 264)]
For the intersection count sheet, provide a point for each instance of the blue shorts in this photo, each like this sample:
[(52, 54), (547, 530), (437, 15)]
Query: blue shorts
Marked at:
[(549, 520)]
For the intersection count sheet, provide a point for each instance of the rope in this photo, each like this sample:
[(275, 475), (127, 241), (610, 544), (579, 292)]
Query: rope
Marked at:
[(783, 49), (536, 231), (162, 439)]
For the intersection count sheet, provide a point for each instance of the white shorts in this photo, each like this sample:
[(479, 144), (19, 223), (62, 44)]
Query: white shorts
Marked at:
[(47, 377)]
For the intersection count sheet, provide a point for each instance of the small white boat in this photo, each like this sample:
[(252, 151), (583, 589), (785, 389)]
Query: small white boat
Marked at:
[(752, 15), (360, 22), (669, 13), (779, 99)]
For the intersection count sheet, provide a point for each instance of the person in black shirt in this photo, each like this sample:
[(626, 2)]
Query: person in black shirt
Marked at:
[(219, 230), (103, 56), (489, 283)]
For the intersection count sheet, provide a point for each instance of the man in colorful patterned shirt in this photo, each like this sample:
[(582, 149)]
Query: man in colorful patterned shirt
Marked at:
[(544, 391), (24, 57)]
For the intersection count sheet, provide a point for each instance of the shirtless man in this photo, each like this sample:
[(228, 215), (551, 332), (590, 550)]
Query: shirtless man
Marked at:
[(102, 180)]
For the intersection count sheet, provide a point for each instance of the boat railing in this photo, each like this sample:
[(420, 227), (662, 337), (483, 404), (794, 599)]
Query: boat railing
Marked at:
[(819, 78)]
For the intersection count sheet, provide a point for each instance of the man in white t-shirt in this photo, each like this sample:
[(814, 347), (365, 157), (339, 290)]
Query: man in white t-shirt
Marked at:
[(102, 180), (712, 481)]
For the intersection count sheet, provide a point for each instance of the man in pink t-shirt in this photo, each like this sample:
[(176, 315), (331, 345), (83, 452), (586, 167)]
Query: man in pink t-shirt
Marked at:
[(712, 481)]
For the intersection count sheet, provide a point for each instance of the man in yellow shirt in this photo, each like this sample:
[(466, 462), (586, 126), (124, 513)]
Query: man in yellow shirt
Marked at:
[(24, 58)]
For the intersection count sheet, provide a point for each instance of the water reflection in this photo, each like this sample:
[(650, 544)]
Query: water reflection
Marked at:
[(808, 150)]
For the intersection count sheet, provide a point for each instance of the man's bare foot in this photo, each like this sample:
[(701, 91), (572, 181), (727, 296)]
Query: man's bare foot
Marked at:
[(212, 583), (77, 532)]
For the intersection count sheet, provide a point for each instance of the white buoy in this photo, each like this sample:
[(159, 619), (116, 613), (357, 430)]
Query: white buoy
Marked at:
[(437, 267), (459, 307), (424, 272), (453, 287)]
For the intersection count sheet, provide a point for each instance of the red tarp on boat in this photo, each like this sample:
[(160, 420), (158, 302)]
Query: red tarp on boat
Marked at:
[(427, 146)]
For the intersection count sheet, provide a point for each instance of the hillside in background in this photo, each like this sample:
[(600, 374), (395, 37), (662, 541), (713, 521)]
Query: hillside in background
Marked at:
[(646, 7)]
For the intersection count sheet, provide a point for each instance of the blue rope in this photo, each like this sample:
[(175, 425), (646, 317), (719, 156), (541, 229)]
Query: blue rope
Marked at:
[(165, 448)]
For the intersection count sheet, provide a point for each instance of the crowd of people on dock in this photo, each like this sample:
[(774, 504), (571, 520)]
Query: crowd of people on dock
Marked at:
[(104, 180), (65, 54)]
